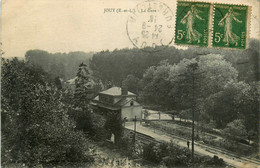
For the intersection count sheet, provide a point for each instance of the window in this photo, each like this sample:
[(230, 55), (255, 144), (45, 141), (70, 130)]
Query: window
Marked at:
[(132, 103)]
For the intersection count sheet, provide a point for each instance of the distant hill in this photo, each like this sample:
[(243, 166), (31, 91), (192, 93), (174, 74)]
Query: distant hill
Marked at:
[(112, 67), (63, 65)]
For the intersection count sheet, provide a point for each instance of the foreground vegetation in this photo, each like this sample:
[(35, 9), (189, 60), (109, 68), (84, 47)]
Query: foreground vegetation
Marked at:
[(36, 127)]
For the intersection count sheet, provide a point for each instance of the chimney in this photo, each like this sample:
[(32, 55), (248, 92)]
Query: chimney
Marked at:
[(124, 89)]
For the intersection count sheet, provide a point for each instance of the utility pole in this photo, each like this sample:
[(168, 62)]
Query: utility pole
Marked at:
[(134, 128), (134, 131), (193, 68), (193, 113), (135, 124)]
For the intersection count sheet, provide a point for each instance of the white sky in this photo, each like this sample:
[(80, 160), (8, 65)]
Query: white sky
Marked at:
[(76, 25)]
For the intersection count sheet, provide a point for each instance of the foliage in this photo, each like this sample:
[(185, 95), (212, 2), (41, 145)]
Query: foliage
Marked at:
[(84, 87), (83, 93), (235, 130), (146, 115), (171, 155), (251, 106), (229, 101), (114, 66), (185, 114), (63, 65), (171, 86), (132, 83), (35, 124), (237, 148), (99, 127), (150, 154), (127, 144), (114, 125)]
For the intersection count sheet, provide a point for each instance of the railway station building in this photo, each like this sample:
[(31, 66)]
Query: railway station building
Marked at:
[(118, 100)]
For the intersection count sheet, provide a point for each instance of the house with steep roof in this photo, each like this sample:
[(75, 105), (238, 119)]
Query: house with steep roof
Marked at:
[(119, 100)]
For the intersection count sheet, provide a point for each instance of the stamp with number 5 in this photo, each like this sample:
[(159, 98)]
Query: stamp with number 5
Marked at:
[(192, 23)]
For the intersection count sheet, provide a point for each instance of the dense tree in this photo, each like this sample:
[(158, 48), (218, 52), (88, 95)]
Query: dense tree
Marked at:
[(235, 130), (156, 85), (172, 86), (114, 66), (132, 83), (251, 105), (35, 124), (83, 93), (83, 86), (231, 101), (218, 95), (63, 65)]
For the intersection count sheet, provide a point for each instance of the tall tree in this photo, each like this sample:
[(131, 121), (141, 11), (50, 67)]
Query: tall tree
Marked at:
[(83, 93)]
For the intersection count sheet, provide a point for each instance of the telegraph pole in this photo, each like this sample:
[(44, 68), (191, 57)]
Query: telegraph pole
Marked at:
[(135, 124), (192, 67), (193, 113), (134, 128), (134, 131)]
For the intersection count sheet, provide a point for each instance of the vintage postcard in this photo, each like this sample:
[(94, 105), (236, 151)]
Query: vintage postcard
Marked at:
[(129, 84)]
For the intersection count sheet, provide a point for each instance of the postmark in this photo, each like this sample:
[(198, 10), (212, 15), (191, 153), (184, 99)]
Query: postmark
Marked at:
[(231, 26), (150, 26), (192, 23)]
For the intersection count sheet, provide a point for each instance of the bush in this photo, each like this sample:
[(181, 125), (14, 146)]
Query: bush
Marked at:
[(207, 161), (126, 144), (101, 133), (171, 155), (166, 153), (149, 153)]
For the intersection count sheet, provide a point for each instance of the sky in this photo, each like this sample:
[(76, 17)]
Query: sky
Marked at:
[(76, 25)]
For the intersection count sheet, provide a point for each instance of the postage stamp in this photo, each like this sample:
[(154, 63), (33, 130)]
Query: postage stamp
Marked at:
[(192, 23), (231, 26), (150, 26)]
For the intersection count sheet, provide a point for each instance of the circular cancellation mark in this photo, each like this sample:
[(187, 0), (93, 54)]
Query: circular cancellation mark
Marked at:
[(150, 26)]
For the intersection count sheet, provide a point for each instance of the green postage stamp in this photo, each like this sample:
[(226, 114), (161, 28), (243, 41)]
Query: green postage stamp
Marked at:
[(230, 27), (192, 23), (212, 25)]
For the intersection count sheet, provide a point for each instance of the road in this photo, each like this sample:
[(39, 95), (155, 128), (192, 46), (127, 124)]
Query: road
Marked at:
[(198, 148), (154, 115)]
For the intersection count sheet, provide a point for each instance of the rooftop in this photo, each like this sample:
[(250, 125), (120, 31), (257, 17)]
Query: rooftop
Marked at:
[(114, 91)]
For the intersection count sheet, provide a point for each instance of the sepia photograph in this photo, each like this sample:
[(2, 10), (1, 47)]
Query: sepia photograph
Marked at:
[(130, 83)]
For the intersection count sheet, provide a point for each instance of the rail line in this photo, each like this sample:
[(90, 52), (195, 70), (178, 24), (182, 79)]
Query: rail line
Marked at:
[(146, 139)]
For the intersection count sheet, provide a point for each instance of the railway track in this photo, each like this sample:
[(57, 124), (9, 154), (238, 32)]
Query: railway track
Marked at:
[(146, 139), (143, 138), (216, 150)]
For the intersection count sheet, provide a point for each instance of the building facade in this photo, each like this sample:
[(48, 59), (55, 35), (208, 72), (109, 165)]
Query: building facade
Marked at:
[(118, 100)]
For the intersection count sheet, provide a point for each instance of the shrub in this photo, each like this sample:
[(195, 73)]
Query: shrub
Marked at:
[(126, 144), (149, 153), (171, 155)]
